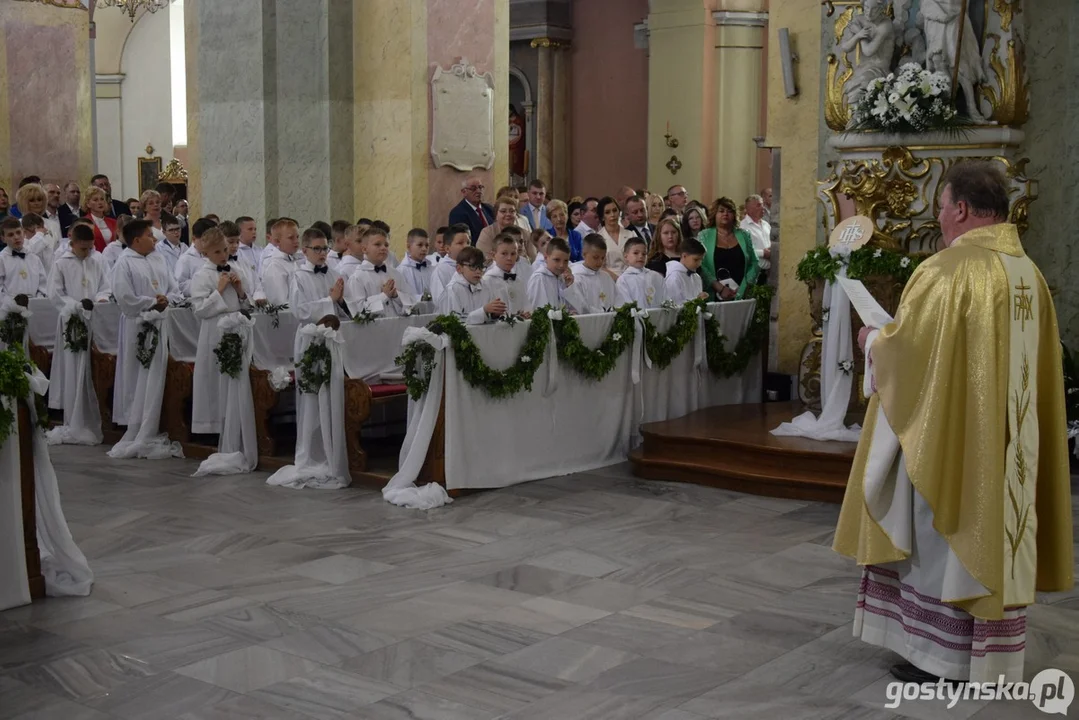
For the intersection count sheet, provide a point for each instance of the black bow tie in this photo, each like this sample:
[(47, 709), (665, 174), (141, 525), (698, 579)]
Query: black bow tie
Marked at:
[(380, 268), (509, 276), (319, 269), (234, 258), (421, 264), (474, 288), (18, 254), (224, 268)]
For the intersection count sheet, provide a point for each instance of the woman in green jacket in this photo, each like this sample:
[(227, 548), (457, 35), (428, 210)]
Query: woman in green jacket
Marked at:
[(727, 248)]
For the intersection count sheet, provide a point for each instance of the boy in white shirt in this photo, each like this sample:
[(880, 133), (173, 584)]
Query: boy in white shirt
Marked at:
[(279, 262), (455, 239), (594, 289), (116, 247), (340, 243), (21, 273), (317, 291), (376, 288), (416, 269), (541, 251), (466, 295), (683, 276), (79, 272), (503, 278), (549, 283), (38, 241), (250, 279), (355, 252), (637, 283), (524, 265), (217, 289), (171, 248), (440, 249), (192, 260)]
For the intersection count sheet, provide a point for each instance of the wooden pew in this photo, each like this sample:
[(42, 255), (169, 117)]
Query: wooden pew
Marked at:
[(29, 503)]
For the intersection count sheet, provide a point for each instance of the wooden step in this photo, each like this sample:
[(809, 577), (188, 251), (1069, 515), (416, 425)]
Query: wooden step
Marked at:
[(731, 447)]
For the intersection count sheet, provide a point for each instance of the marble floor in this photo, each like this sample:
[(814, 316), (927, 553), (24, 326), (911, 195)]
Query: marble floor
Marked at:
[(590, 597)]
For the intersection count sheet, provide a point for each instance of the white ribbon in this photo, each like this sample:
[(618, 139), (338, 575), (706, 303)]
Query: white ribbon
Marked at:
[(321, 331), (280, 378), (234, 321), (554, 314)]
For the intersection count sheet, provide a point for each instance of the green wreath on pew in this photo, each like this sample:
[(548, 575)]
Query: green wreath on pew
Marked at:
[(595, 364), (418, 361), (76, 334), (230, 354), (724, 364), (663, 348), (15, 386), (146, 343), (313, 370), (13, 329)]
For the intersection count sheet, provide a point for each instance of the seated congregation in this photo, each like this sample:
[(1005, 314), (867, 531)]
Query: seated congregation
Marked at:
[(178, 332)]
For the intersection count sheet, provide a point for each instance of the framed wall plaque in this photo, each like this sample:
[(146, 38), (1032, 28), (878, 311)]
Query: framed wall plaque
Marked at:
[(463, 130), (149, 169)]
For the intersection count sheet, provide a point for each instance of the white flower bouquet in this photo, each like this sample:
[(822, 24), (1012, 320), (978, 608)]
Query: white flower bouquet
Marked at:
[(912, 99)]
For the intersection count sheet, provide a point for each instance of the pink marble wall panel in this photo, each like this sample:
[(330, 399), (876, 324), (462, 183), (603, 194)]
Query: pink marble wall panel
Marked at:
[(457, 29), (42, 87), (608, 98)]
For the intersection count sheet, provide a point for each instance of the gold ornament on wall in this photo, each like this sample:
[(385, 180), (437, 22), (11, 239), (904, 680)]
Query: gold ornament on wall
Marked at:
[(840, 69), (1007, 10), (1011, 106)]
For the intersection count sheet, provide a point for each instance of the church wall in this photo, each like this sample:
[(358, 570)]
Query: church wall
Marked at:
[(45, 118), (1052, 144), (608, 98), (145, 102)]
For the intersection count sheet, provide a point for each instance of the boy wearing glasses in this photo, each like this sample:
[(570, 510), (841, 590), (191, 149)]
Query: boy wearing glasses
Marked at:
[(466, 295), (172, 248), (317, 291)]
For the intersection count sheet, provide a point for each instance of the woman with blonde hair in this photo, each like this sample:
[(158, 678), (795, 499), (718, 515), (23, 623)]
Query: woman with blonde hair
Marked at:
[(668, 248), (558, 215), (150, 201), (729, 255), (95, 205), (655, 206)]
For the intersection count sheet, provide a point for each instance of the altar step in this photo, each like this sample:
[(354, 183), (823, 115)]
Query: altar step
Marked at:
[(731, 447)]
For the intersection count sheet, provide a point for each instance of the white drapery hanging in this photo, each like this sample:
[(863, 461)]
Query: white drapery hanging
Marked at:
[(837, 351), (63, 565), (75, 392), (144, 416), (321, 453), (237, 448)]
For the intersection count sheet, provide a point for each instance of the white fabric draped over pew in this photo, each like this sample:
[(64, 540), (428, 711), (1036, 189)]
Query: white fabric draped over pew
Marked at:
[(566, 423)]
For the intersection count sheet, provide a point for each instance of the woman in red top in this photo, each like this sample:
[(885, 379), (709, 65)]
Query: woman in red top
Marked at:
[(97, 204)]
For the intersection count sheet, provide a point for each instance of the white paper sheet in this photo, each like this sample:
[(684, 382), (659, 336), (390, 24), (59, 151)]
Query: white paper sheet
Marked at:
[(868, 309)]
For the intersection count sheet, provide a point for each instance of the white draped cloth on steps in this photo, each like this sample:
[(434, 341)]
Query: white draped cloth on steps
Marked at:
[(237, 447), (321, 452)]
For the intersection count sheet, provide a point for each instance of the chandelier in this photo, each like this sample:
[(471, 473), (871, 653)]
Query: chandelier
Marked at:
[(133, 6)]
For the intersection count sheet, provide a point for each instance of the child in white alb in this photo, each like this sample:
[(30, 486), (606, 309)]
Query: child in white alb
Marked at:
[(217, 289), (354, 252), (316, 290), (248, 275), (549, 284), (466, 295), (375, 288), (683, 276), (504, 278), (339, 231), (637, 283), (455, 239), (438, 243), (21, 272), (38, 240), (541, 243), (416, 268), (594, 289)]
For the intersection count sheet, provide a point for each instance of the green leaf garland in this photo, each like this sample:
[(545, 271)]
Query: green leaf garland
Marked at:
[(13, 329), (864, 262), (595, 364), (726, 364), (230, 354), (497, 383), (146, 344), (418, 361), (76, 334), (15, 386), (313, 370), (663, 348)]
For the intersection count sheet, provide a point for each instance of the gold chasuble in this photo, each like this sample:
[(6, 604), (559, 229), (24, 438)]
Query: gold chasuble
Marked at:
[(970, 380)]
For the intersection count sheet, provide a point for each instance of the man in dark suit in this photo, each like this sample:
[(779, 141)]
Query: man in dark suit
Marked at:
[(637, 220), (70, 209), (116, 207), (472, 211)]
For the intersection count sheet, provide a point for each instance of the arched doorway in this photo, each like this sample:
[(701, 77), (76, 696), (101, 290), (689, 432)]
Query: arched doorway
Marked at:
[(521, 101)]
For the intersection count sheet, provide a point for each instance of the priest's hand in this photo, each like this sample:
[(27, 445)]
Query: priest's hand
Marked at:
[(863, 335), (338, 290), (223, 281)]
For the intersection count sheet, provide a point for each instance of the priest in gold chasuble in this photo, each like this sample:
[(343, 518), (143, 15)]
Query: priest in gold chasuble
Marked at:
[(958, 506)]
